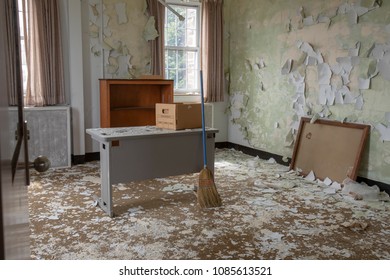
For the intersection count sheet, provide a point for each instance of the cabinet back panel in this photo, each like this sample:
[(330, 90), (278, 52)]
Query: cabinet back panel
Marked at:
[(136, 117), (134, 96)]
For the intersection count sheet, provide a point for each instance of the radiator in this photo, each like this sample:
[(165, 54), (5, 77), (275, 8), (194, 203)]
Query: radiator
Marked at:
[(49, 131)]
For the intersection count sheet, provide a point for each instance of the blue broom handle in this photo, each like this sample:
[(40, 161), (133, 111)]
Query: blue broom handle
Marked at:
[(203, 121)]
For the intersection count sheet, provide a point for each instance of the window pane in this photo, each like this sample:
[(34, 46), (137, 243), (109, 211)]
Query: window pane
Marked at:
[(181, 60), (192, 61), (171, 59), (181, 79), (22, 45), (191, 38), (171, 74), (181, 55), (170, 32), (181, 37), (192, 79), (181, 11), (191, 18)]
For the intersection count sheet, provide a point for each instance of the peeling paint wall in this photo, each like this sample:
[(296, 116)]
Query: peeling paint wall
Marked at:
[(116, 35), (329, 59), (115, 46), (119, 32)]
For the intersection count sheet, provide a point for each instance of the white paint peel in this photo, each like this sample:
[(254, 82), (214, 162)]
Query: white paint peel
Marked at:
[(121, 12), (150, 32), (363, 191), (310, 176)]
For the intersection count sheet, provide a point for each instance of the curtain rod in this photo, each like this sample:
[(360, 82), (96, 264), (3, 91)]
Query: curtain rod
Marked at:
[(181, 18)]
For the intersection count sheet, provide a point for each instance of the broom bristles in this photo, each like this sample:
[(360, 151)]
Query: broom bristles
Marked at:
[(207, 193)]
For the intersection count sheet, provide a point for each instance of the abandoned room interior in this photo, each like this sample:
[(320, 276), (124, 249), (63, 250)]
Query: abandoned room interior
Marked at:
[(195, 130)]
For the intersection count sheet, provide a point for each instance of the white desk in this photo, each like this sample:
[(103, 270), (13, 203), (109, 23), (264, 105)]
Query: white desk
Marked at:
[(146, 152)]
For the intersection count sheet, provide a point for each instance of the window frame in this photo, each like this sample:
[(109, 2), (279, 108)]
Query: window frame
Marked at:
[(197, 6)]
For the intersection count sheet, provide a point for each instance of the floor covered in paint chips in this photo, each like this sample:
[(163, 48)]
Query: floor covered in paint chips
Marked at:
[(267, 213)]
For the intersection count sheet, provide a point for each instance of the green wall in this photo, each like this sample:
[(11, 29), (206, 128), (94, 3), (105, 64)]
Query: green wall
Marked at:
[(261, 35)]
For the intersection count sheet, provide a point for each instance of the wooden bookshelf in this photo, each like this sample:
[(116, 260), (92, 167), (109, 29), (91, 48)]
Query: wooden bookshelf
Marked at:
[(132, 102)]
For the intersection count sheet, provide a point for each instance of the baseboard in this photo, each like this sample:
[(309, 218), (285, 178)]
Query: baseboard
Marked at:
[(92, 156), (80, 159), (253, 152)]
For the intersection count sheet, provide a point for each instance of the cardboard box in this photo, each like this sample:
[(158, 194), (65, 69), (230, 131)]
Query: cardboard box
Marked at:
[(178, 116)]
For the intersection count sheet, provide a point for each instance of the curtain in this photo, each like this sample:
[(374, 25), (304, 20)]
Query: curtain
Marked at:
[(45, 82), (212, 50), (157, 10), (12, 52)]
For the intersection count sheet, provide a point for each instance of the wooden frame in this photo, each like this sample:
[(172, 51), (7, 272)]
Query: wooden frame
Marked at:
[(132, 102), (330, 149)]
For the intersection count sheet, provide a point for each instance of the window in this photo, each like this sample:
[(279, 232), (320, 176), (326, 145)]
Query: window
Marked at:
[(22, 43), (182, 48)]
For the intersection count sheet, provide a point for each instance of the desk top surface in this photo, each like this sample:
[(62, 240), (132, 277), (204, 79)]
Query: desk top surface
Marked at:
[(108, 134)]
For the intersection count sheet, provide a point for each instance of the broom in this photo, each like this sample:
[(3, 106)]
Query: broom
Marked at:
[(207, 194)]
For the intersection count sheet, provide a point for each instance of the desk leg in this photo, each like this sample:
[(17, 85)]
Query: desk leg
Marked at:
[(105, 200)]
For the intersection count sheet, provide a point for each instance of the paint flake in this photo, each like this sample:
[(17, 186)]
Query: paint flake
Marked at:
[(150, 32), (327, 181), (368, 193), (354, 51), (384, 66), (384, 132), (324, 74), (359, 102), (387, 117), (310, 176), (287, 67), (121, 12), (364, 83)]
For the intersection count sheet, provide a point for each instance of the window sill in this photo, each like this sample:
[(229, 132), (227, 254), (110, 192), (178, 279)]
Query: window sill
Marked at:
[(186, 94)]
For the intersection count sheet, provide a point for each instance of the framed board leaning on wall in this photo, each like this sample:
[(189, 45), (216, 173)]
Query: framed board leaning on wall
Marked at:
[(331, 149)]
